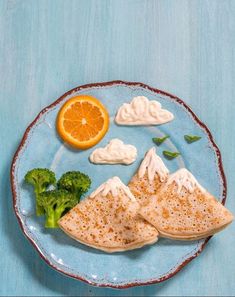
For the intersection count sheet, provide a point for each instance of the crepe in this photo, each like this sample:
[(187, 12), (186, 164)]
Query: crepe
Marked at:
[(151, 175), (183, 209), (108, 220)]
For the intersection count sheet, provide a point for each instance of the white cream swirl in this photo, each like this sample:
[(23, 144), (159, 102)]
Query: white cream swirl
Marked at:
[(115, 152), (153, 164), (113, 185), (142, 111), (184, 178)]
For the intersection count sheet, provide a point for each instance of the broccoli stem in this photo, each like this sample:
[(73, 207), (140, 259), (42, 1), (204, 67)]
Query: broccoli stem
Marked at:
[(58, 214), (39, 209), (53, 218), (51, 221)]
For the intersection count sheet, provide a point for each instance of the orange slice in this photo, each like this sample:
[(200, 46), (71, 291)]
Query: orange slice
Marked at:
[(82, 121)]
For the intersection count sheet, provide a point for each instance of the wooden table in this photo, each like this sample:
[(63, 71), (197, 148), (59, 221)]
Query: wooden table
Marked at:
[(49, 47)]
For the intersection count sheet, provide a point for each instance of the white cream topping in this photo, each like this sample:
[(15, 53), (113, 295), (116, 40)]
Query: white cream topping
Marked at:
[(184, 178), (142, 111), (113, 185), (115, 152), (153, 164)]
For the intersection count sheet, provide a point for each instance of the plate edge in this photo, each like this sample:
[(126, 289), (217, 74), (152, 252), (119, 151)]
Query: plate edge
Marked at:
[(104, 84)]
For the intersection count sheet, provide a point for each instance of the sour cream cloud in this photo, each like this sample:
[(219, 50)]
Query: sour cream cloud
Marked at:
[(142, 111), (115, 152)]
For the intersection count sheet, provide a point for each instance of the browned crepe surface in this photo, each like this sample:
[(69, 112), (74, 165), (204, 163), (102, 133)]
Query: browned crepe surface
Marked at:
[(185, 215), (108, 223)]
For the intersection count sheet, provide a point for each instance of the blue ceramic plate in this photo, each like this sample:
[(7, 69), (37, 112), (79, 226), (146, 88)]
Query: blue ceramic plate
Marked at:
[(41, 147)]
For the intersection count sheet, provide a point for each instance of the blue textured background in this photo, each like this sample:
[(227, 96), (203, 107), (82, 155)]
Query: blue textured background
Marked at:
[(48, 47)]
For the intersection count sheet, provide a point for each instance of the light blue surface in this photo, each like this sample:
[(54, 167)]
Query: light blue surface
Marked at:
[(43, 148), (49, 47)]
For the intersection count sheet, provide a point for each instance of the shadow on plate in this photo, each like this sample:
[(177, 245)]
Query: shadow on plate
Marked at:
[(61, 238)]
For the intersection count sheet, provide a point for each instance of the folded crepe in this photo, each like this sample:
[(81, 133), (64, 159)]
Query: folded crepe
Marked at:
[(151, 175), (183, 209), (108, 220)]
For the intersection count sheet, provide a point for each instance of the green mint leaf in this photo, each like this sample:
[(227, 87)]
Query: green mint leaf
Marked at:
[(160, 140), (191, 138), (170, 155)]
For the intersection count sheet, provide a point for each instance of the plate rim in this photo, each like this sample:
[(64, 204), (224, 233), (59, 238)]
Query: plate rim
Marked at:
[(105, 84)]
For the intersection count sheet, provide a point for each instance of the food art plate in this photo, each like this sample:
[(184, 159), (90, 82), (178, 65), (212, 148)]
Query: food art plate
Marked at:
[(41, 147)]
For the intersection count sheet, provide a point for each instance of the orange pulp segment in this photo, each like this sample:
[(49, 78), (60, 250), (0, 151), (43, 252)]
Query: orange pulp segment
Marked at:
[(82, 121)]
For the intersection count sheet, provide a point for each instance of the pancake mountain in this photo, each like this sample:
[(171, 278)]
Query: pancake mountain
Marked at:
[(108, 220)]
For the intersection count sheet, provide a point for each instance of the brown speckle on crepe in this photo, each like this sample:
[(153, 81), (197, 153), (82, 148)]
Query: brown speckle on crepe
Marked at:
[(118, 228), (143, 189), (185, 215)]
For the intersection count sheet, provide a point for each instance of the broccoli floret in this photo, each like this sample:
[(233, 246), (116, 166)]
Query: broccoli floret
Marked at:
[(40, 179), (56, 203), (75, 182)]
